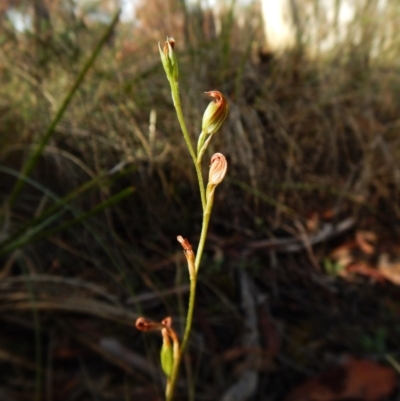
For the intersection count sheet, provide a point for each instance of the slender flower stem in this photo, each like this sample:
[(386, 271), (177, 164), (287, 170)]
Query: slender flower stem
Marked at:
[(172, 380), (171, 383), (201, 184), (192, 297), (189, 319), (213, 118), (204, 229), (177, 103), (200, 142)]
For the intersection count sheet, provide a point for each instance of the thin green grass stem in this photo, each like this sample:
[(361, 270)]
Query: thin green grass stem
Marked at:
[(84, 216), (177, 103), (54, 209), (7, 247), (36, 233), (33, 159)]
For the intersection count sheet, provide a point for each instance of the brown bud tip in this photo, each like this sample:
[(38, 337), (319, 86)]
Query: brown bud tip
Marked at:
[(215, 114), (167, 322), (168, 45), (171, 41), (143, 324), (219, 98), (185, 243), (218, 169)]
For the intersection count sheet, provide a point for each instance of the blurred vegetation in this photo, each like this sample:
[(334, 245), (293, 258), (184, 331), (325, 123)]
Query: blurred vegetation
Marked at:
[(95, 187)]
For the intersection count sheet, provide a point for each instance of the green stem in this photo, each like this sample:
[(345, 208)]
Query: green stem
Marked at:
[(193, 277), (201, 184), (178, 108), (204, 229), (200, 142), (189, 319), (192, 297)]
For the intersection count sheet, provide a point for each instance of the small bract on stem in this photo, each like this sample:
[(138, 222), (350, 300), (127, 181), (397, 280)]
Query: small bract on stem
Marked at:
[(214, 116)]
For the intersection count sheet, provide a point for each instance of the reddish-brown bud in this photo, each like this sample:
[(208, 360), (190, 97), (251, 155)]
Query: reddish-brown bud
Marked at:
[(167, 322), (190, 257), (169, 46), (143, 324)]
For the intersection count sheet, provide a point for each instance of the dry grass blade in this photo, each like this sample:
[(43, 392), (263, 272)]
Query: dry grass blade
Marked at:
[(14, 298)]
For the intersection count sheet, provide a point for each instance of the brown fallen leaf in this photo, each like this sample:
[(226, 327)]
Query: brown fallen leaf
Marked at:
[(356, 379), (366, 240), (390, 270), (364, 269), (343, 254)]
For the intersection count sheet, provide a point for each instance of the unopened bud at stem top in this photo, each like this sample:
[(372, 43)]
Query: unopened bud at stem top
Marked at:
[(168, 58), (215, 114)]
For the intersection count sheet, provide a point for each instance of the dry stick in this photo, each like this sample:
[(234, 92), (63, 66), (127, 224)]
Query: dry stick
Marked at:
[(32, 161)]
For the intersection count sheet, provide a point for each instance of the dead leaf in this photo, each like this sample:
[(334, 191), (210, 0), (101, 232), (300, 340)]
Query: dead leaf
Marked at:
[(356, 379), (364, 269), (312, 222), (390, 270), (343, 254), (366, 241)]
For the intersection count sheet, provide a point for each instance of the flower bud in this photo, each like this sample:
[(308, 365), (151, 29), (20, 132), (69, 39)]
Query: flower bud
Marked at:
[(218, 168), (190, 257), (167, 322), (143, 324), (215, 114), (168, 58), (166, 354)]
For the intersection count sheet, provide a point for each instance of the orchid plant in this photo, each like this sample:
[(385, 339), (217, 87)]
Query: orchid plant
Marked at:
[(172, 349)]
